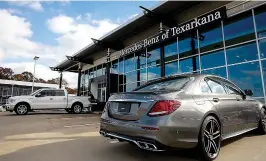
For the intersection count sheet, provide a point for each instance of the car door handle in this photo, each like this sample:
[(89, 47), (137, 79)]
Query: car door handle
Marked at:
[(238, 99), (51, 98), (215, 99)]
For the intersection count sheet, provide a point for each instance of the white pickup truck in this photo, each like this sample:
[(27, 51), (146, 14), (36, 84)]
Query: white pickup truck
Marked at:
[(48, 98)]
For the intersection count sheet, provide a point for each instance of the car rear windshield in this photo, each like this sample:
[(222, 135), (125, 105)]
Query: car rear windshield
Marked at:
[(171, 84)]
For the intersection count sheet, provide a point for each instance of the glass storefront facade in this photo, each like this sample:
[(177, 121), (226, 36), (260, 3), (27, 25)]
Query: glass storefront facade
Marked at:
[(234, 48)]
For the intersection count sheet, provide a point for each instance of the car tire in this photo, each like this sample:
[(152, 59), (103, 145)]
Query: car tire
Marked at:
[(262, 123), (209, 139), (68, 110), (22, 109), (76, 108)]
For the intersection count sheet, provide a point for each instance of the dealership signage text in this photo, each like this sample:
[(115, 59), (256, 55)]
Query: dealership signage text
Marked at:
[(176, 31)]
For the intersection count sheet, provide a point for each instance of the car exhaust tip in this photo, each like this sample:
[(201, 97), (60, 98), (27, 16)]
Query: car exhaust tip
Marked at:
[(146, 146), (140, 144)]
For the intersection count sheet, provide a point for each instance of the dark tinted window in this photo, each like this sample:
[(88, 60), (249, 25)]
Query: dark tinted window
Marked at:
[(260, 14), (185, 48), (47, 93), (170, 52), (171, 68), (242, 53), (262, 44), (211, 38), (247, 76), (215, 87), (239, 28), (59, 93), (130, 63), (189, 64), (207, 59), (131, 77), (130, 87), (153, 57), (154, 72), (216, 71), (231, 90)]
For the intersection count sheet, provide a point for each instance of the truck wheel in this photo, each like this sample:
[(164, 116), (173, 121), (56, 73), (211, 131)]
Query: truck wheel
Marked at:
[(22, 109), (77, 108)]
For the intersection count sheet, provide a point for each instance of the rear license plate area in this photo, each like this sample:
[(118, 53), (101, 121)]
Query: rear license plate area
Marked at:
[(124, 107)]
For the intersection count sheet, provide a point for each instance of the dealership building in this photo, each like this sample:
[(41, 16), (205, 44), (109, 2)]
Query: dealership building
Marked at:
[(223, 38)]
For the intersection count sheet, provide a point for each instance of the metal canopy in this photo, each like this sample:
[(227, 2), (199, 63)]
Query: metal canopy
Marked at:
[(55, 69), (73, 68), (138, 24), (115, 46), (166, 20), (76, 59)]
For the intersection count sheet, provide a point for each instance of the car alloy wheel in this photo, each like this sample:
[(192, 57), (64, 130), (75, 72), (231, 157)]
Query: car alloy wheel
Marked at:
[(212, 138), (22, 109), (77, 108)]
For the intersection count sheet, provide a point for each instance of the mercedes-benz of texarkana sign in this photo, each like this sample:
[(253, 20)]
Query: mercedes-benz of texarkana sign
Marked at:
[(185, 111)]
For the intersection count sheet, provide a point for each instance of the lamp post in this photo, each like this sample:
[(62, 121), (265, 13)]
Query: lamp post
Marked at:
[(35, 58)]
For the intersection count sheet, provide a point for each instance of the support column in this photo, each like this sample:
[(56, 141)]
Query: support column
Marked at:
[(194, 51), (79, 79), (162, 60), (138, 70), (107, 74), (60, 80), (12, 90)]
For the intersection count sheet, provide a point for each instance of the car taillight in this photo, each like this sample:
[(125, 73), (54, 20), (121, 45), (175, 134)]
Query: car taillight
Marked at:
[(107, 104), (164, 107)]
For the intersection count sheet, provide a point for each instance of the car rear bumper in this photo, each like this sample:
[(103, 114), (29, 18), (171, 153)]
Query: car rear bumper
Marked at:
[(143, 143), (160, 137)]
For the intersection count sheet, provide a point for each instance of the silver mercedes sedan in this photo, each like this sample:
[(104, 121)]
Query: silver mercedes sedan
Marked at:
[(183, 111)]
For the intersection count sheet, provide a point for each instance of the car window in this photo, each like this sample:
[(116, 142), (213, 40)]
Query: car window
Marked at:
[(59, 93), (171, 84), (231, 88), (215, 87), (204, 88), (47, 93)]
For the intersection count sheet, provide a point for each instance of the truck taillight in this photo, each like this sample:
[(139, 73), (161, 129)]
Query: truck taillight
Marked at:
[(164, 107)]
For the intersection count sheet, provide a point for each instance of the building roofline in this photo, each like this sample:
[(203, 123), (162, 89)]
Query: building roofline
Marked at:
[(28, 84), (113, 31)]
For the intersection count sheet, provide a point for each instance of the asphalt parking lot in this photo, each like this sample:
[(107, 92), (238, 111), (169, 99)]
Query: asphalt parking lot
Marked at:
[(58, 136)]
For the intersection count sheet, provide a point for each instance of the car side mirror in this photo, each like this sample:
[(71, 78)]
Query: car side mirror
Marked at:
[(248, 92), (38, 95)]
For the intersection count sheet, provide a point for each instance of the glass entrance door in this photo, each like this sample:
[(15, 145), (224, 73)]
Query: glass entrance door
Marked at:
[(101, 95)]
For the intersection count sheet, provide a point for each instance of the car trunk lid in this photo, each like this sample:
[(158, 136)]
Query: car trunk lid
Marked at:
[(130, 106)]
